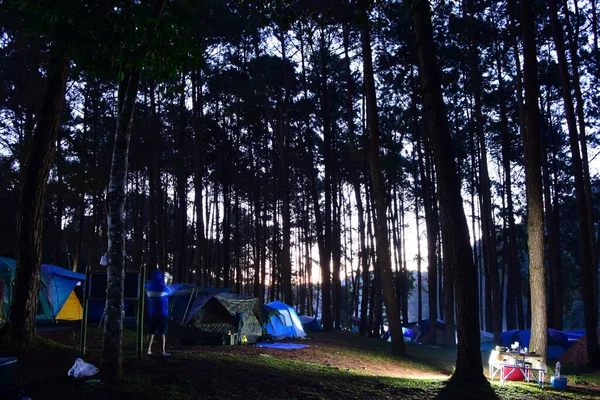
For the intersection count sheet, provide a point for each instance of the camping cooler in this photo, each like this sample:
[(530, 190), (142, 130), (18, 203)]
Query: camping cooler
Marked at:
[(513, 374), (558, 382), (8, 370)]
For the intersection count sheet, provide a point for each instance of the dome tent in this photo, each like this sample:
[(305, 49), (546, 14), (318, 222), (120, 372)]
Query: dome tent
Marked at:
[(57, 298), (289, 322)]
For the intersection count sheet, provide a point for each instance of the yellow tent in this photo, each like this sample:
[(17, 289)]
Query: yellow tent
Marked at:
[(71, 310)]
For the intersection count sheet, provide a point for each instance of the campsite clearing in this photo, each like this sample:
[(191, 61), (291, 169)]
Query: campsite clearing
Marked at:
[(337, 365)]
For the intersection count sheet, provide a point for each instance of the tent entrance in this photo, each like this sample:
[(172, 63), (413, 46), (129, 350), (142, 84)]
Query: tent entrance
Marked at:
[(71, 309)]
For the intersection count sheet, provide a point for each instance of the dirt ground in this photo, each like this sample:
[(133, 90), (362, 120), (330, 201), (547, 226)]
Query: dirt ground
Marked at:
[(323, 349), (42, 374)]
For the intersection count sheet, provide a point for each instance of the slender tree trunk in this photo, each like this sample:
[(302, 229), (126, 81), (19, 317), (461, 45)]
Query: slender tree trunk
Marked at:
[(405, 273), (432, 227), (533, 184), (383, 246), (60, 206), (181, 269), (588, 275), (555, 309), (80, 229), (336, 252), (355, 180), (513, 34), (157, 237), (510, 236), (327, 318), (112, 351), (30, 214), (419, 276), (449, 338), (489, 231), (197, 110), (455, 233), (573, 51), (573, 39), (282, 147)]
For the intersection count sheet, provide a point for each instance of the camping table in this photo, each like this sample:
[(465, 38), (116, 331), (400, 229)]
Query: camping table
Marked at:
[(503, 360)]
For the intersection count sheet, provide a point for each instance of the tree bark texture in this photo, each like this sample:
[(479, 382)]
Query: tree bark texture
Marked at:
[(199, 144), (30, 214), (487, 217), (111, 363), (383, 245), (533, 184), (588, 281), (327, 318), (455, 233)]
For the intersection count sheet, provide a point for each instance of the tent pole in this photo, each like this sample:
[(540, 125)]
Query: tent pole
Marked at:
[(85, 312), (140, 314), (188, 305)]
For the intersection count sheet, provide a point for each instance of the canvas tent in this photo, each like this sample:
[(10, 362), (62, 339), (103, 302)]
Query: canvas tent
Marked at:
[(184, 295), (215, 316), (58, 300), (577, 353), (287, 321)]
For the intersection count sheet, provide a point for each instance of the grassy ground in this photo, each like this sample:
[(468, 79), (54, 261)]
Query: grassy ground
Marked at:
[(337, 365)]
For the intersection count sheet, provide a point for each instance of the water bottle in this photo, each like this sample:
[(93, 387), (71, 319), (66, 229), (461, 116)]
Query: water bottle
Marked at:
[(557, 371)]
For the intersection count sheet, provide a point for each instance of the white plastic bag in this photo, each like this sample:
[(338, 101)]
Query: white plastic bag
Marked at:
[(81, 369)]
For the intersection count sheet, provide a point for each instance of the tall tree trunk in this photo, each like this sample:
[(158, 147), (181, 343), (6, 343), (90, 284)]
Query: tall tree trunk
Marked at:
[(533, 184), (30, 214), (588, 275), (336, 251), (80, 229), (510, 236), (555, 309), (432, 228), (355, 180), (418, 192), (314, 194), (449, 333), (157, 238), (327, 318), (226, 231), (198, 113), (282, 147), (181, 270), (455, 233), (60, 206), (112, 350), (405, 274), (383, 246), (521, 104), (573, 51), (487, 217), (573, 47)]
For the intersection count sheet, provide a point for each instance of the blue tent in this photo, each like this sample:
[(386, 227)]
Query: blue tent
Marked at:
[(407, 333), (274, 325), (310, 323), (558, 341), (509, 337), (288, 321), (57, 298)]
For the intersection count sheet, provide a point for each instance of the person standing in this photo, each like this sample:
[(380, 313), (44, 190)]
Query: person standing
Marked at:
[(158, 309)]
